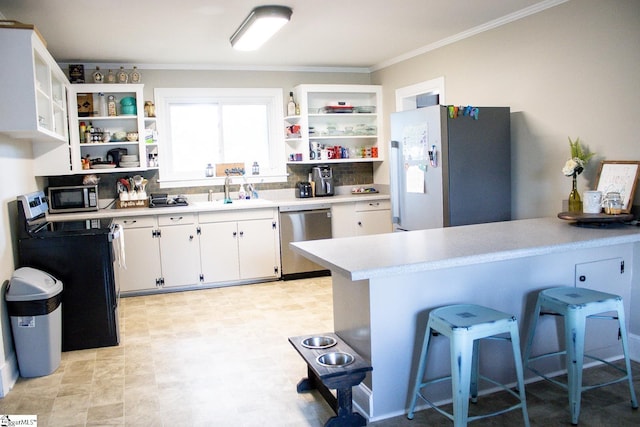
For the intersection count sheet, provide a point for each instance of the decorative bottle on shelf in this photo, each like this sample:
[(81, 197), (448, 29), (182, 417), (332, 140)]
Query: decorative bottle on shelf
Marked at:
[(209, 170), (97, 75), (111, 77), (135, 76), (83, 129), (111, 106), (122, 76), (291, 106), (102, 105)]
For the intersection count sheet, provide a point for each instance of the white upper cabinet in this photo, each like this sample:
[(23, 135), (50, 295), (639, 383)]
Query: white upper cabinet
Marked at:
[(119, 127), (33, 87), (337, 123)]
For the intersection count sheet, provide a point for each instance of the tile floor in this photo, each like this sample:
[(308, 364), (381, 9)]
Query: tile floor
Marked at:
[(220, 357)]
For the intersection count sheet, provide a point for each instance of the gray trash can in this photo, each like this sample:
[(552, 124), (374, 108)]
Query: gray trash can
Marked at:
[(34, 306)]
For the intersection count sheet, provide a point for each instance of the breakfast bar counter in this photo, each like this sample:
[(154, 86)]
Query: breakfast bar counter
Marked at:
[(385, 285)]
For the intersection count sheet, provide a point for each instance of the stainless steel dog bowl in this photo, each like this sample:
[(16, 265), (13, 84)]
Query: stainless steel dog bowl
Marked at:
[(335, 359), (319, 342)]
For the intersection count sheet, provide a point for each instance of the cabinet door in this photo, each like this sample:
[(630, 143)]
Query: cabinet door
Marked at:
[(180, 255), (33, 88), (257, 248), (142, 258), (342, 220), (373, 222), (609, 276), (219, 251)]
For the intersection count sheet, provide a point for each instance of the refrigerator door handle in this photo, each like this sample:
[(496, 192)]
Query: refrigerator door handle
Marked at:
[(394, 181)]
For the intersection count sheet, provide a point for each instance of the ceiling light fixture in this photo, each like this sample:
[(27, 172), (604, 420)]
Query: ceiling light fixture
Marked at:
[(262, 23)]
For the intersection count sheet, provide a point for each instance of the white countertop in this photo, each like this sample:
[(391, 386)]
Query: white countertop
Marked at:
[(198, 203), (391, 254)]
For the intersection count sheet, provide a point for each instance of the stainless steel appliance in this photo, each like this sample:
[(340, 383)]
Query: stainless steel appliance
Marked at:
[(448, 171), (115, 155), (311, 222), (322, 176), (86, 256), (303, 190), (76, 198)]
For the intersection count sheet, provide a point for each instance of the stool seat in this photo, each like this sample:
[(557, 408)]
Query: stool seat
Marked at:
[(465, 325), (576, 305)]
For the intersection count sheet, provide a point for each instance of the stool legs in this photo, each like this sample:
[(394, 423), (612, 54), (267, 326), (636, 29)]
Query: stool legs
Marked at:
[(515, 346), (420, 373), (464, 354), (461, 363), (475, 368), (627, 360), (577, 305), (574, 323)]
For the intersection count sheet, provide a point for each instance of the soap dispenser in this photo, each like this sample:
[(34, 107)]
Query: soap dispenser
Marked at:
[(241, 193)]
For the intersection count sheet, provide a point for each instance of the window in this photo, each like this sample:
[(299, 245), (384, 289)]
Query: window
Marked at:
[(201, 126)]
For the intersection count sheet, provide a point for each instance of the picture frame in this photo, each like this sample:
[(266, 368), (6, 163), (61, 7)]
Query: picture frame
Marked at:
[(620, 176)]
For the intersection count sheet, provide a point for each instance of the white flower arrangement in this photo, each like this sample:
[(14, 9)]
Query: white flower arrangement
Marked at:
[(579, 159)]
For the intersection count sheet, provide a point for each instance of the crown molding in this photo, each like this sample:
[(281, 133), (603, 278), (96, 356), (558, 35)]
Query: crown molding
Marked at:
[(523, 13)]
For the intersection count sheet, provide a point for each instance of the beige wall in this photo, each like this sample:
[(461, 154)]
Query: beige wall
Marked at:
[(570, 71), (285, 80), (16, 178)]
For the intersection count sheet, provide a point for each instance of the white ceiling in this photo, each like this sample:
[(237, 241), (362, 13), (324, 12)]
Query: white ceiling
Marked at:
[(195, 33)]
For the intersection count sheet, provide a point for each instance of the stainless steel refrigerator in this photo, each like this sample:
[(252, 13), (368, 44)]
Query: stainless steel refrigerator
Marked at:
[(447, 171)]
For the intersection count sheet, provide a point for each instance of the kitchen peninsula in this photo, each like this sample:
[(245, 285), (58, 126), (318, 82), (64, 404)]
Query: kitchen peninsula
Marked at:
[(384, 286)]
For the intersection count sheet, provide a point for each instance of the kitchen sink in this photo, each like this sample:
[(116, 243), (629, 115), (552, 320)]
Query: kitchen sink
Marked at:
[(234, 202)]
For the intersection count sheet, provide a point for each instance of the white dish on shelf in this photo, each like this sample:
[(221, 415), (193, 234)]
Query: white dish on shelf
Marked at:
[(103, 166), (129, 164)]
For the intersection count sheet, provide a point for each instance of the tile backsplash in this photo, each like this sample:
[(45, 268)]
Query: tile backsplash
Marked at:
[(343, 174)]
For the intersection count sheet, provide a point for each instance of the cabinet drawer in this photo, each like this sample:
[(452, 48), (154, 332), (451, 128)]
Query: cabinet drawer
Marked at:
[(137, 222), (373, 205), (177, 219), (236, 215)]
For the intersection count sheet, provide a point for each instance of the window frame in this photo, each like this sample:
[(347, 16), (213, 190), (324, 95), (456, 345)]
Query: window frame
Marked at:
[(272, 97)]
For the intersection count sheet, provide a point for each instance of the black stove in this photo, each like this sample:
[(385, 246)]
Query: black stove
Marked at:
[(84, 255)]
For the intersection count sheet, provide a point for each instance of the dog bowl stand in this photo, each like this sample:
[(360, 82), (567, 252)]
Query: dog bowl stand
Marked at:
[(341, 378)]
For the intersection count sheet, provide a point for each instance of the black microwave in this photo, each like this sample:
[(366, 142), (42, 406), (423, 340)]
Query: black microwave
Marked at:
[(78, 198)]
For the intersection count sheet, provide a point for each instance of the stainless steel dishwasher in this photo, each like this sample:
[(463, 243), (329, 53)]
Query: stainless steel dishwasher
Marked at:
[(297, 224)]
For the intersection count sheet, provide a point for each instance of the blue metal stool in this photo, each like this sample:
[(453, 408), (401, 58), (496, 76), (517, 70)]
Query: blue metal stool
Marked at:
[(465, 325), (576, 305)]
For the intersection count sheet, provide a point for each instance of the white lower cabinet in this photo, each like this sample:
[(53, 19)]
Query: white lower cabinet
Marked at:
[(361, 218), (239, 246), (142, 254), (179, 250), (184, 250), (373, 217), (219, 251)]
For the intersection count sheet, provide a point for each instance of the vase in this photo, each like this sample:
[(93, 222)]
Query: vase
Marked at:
[(575, 204)]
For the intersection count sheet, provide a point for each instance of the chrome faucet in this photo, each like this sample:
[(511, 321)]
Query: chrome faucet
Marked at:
[(210, 195)]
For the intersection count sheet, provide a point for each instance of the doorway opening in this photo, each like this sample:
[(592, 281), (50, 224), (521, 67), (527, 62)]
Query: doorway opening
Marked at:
[(424, 94)]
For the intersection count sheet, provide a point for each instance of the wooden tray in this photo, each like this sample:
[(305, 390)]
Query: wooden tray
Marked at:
[(124, 204), (594, 218)]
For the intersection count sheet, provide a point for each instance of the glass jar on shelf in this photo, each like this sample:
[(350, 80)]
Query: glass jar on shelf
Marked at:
[(122, 76)]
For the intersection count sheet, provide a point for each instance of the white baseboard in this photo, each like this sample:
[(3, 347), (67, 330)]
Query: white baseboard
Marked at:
[(9, 374), (362, 400), (634, 347)]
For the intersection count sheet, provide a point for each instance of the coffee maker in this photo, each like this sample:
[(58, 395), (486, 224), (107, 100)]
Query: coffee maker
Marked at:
[(322, 176)]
